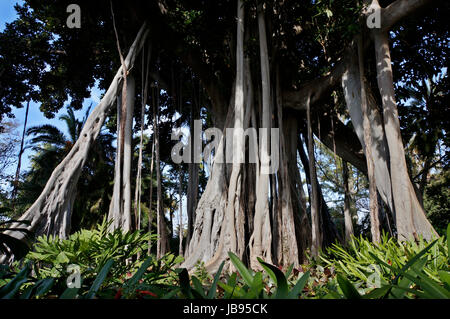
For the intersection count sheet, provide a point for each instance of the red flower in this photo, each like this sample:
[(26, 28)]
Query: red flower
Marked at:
[(118, 294), (146, 292)]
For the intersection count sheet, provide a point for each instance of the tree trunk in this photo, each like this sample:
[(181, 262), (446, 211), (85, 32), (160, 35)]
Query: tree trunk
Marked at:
[(180, 214), (192, 191), (316, 237), (374, 219), (127, 156), (348, 221), (260, 243), (289, 248), (410, 217), (162, 246), (351, 85), (231, 238), (19, 162), (120, 207), (150, 215), (144, 94), (51, 213)]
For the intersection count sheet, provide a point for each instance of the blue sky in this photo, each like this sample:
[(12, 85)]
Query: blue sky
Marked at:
[(35, 117)]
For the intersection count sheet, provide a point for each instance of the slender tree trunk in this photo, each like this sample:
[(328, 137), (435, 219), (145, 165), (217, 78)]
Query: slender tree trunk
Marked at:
[(150, 215), (19, 162), (290, 251), (163, 240), (348, 221), (180, 213), (144, 93), (127, 156), (374, 216), (261, 239), (192, 191), (316, 239)]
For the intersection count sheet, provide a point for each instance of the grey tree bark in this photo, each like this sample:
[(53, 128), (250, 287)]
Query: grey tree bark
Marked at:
[(50, 214), (120, 208), (410, 217), (373, 198), (316, 236), (348, 221), (261, 238)]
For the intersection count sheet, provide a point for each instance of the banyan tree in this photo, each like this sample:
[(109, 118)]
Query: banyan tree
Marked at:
[(283, 74)]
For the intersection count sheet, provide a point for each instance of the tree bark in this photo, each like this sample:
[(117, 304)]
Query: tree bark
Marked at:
[(120, 208), (348, 221), (144, 94), (50, 214), (150, 215), (373, 198), (162, 246), (410, 217), (316, 237), (261, 238)]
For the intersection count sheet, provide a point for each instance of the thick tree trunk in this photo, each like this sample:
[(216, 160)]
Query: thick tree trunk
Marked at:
[(409, 214), (231, 235), (351, 85), (120, 207), (51, 213)]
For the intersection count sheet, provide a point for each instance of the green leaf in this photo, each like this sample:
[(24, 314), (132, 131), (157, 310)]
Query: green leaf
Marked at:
[(377, 293), (198, 287), (256, 287), (297, 289), (268, 270), (445, 277), (44, 286), (347, 288), (212, 290), (232, 291), (69, 293), (138, 275), (230, 283), (243, 271), (172, 293), (100, 278), (14, 288), (12, 283), (61, 258), (281, 282)]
